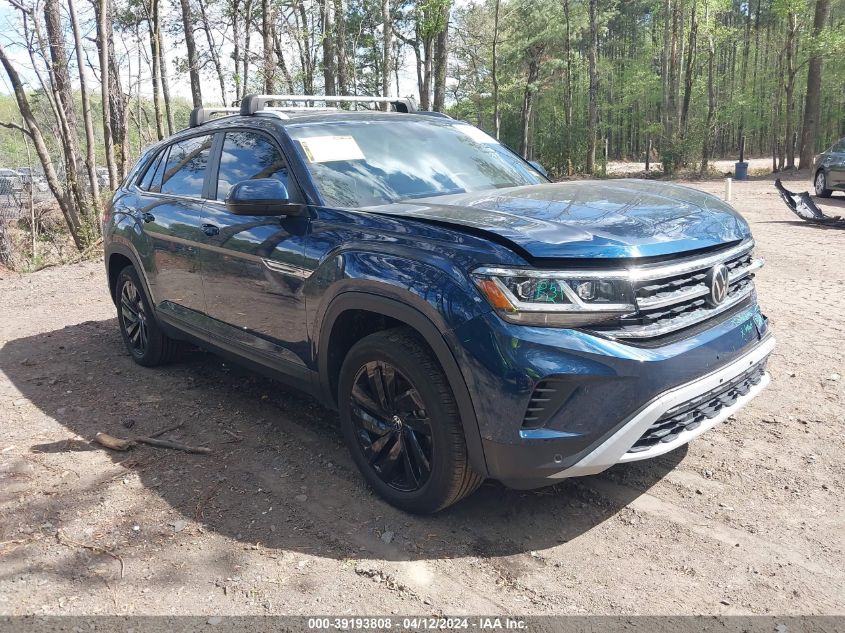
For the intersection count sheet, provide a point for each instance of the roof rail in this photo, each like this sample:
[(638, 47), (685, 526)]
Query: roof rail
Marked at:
[(251, 104), (201, 115)]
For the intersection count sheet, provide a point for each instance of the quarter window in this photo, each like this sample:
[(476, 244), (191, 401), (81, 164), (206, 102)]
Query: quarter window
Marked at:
[(184, 171), (152, 178), (247, 156)]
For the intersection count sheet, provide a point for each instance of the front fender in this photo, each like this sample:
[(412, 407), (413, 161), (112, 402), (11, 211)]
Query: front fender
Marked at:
[(402, 310)]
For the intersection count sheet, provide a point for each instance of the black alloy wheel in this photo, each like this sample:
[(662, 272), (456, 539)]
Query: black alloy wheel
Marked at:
[(392, 426), (145, 341), (133, 318), (401, 423)]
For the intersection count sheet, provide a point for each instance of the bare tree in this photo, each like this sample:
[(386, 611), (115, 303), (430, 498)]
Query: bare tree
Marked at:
[(267, 33), (90, 148), (191, 46), (105, 31), (77, 225), (593, 124), (441, 56), (387, 46), (340, 48)]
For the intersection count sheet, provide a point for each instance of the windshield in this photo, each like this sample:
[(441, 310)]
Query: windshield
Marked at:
[(376, 161)]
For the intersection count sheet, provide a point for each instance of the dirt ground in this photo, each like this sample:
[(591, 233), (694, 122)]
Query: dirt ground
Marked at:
[(748, 519)]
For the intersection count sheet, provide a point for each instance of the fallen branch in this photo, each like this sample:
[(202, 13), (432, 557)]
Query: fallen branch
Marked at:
[(199, 450), (94, 548), (114, 443), (120, 444)]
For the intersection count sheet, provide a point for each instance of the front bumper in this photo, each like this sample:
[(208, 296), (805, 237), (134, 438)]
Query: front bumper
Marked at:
[(609, 393), (615, 449)]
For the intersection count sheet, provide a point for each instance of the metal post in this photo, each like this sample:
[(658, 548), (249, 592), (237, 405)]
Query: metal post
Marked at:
[(727, 190)]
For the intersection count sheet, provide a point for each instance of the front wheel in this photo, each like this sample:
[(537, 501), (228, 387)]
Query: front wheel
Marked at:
[(821, 185), (144, 340), (401, 423)]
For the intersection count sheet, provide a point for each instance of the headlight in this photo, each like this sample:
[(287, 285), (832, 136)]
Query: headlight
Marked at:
[(556, 298)]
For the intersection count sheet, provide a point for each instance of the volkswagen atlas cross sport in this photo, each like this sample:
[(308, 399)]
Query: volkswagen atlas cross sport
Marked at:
[(467, 317)]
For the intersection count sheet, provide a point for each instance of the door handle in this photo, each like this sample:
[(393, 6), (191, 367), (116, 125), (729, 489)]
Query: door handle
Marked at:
[(148, 217), (210, 230)]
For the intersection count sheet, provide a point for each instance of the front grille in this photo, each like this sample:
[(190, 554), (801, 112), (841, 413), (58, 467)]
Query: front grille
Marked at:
[(691, 414), (673, 297)]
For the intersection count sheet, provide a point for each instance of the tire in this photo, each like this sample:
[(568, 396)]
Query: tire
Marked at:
[(401, 423), (820, 183), (144, 340)]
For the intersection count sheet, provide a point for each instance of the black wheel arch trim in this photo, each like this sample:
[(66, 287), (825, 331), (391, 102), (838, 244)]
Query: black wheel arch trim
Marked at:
[(354, 300), (116, 248)]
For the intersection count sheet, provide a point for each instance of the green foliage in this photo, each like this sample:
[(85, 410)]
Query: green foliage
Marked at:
[(748, 73)]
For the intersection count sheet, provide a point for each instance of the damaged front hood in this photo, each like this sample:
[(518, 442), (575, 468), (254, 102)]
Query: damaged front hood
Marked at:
[(587, 219)]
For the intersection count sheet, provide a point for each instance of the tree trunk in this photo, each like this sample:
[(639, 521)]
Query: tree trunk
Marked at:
[(155, 54), (165, 84), (567, 112), (213, 51), (340, 48), (812, 102), (247, 34), (441, 58), (329, 73), (191, 46), (387, 47), (64, 103), (108, 141), (689, 76), (711, 92), (525, 142), (593, 124), (792, 26), (494, 74), (425, 92), (90, 148), (236, 46), (69, 210)]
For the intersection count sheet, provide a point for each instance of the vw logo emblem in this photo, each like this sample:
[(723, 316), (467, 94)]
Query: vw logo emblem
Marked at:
[(717, 281)]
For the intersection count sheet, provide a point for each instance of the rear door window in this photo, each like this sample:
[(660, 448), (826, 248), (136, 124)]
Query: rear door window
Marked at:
[(184, 170)]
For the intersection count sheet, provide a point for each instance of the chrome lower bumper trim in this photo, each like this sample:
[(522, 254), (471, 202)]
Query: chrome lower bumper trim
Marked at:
[(614, 450)]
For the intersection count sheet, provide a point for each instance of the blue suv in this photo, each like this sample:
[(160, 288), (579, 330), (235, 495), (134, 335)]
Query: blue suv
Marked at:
[(466, 317)]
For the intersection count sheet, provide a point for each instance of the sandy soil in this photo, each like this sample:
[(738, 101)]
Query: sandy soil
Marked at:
[(748, 519)]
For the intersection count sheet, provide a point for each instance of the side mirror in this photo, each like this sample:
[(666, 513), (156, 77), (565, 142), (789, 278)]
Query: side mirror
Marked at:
[(261, 196), (536, 165)]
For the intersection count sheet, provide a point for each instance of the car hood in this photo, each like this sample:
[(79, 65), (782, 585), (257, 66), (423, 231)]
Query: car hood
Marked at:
[(586, 219)]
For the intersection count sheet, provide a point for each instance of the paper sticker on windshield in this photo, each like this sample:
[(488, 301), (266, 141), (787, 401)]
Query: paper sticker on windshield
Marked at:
[(475, 134), (326, 149)]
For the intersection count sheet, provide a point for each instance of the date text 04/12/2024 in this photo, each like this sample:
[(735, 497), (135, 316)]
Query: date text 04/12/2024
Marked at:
[(416, 623)]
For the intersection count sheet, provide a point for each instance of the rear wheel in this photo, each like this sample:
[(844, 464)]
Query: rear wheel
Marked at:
[(144, 340), (401, 423), (821, 185)]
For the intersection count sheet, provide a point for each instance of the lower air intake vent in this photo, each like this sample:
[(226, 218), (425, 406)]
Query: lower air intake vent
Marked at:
[(548, 397)]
